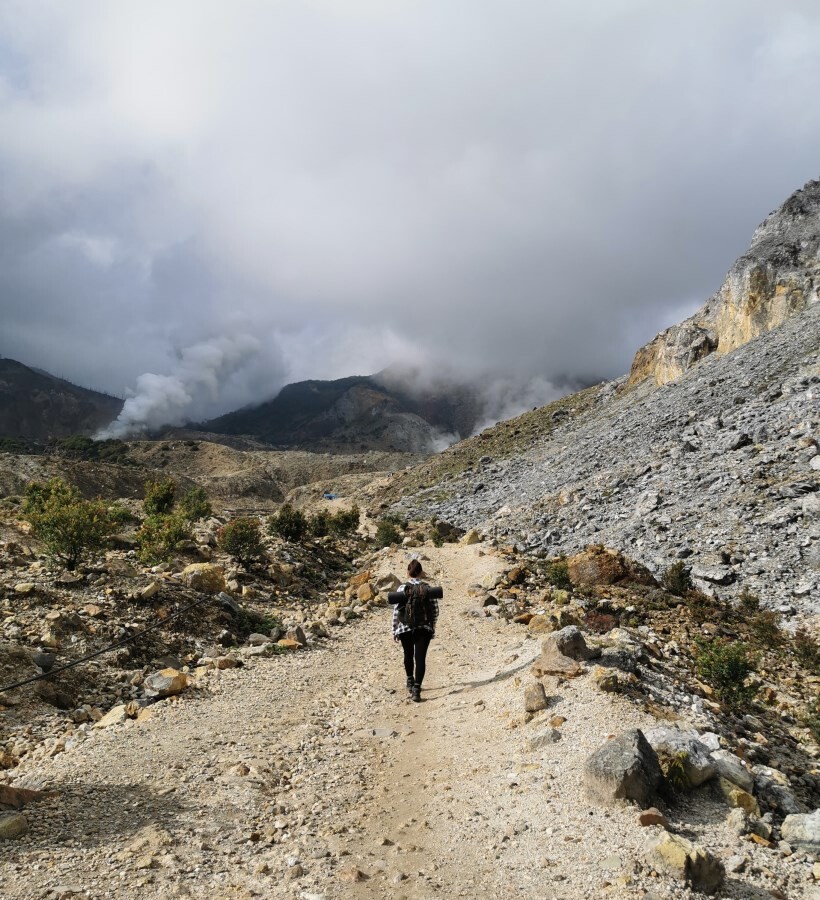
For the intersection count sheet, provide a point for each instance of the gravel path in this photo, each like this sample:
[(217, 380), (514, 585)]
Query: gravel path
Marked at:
[(312, 776)]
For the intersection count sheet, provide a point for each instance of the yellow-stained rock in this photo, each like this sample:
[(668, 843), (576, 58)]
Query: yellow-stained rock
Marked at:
[(737, 797), (205, 577)]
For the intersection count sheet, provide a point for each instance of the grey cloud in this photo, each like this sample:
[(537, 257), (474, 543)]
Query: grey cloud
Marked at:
[(515, 193)]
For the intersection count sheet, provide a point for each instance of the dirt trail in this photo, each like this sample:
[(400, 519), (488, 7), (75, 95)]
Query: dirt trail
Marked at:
[(296, 775)]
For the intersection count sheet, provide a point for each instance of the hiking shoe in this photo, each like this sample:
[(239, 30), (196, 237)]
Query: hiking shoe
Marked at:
[(415, 693), (410, 683)]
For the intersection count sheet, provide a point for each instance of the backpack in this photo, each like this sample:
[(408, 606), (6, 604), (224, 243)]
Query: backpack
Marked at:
[(418, 609)]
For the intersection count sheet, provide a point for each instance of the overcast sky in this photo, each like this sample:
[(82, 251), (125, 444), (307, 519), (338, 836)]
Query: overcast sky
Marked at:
[(224, 196)]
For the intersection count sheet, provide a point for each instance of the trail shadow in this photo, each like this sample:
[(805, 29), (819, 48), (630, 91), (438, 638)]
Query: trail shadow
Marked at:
[(91, 814), (462, 686)]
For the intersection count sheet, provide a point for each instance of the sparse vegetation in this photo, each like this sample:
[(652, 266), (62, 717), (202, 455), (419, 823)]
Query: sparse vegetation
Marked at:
[(289, 523), (241, 539), (159, 497), (726, 666), (78, 446), (195, 505), (677, 579), (159, 535), (386, 534), (70, 528), (749, 602), (807, 651), (345, 522), (557, 573), (674, 770)]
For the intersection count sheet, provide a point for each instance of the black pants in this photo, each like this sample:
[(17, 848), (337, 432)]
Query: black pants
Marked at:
[(415, 644)]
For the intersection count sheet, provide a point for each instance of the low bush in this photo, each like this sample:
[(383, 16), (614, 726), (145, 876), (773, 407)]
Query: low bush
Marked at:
[(702, 608), (241, 539), (726, 666), (319, 524), (557, 573), (159, 497), (288, 523), (807, 651), (386, 534), (763, 628), (677, 579), (70, 528), (345, 522), (749, 602), (159, 535), (195, 505)]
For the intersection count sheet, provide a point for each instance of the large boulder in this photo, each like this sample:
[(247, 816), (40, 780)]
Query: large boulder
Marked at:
[(803, 831), (687, 862), (205, 577), (695, 758), (625, 768)]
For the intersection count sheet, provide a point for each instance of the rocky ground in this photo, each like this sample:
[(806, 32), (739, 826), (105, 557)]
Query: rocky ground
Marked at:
[(311, 775), (720, 468)]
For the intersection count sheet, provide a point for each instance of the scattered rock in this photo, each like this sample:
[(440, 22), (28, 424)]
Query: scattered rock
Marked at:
[(739, 798), (114, 716), (12, 825), (544, 739), (697, 764), (535, 697), (653, 816), (625, 768), (605, 680), (803, 831), (728, 766), (687, 862), (205, 577), (165, 683)]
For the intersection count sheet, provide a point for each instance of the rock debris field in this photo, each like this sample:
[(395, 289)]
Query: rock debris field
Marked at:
[(311, 775)]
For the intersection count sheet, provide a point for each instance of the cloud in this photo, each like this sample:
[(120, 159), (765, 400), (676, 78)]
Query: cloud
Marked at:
[(516, 193)]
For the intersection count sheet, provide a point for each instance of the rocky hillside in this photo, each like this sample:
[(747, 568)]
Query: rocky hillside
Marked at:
[(356, 414), (774, 280), (38, 406), (718, 468)]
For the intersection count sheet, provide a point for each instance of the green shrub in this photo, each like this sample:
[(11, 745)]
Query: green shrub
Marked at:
[(159, 497), (702, 608), (195, 505), (13, 445), (726, 666), (764, 629), (241, 539), (749, 602), (70, 528), (387, 534), (345, 522), (677, 579), (159, 535), (288, 523), (119, 516), (807, 651), (319, 524), (557, 573)]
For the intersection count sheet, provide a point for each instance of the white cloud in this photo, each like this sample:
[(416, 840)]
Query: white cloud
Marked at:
[(528, 190)]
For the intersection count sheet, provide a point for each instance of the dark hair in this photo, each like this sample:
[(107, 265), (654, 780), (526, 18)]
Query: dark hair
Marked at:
[(414, 569)]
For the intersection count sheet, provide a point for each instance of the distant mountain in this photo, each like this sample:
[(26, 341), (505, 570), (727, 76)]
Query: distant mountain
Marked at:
[(37, 406), (359, 413)]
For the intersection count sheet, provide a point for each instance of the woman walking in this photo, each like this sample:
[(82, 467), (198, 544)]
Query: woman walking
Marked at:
[(415, 614)]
